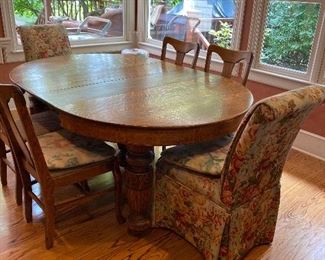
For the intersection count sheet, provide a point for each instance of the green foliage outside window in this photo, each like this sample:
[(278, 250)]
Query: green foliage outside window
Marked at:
[(174, 2), (223, 36), (29, 9), (168, 3), (289, 34)]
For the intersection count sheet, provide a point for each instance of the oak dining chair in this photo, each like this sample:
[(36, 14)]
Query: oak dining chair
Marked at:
[(230, 58), (223, 196), (43, 41), (43, 123), (55, 160), (181, 48)]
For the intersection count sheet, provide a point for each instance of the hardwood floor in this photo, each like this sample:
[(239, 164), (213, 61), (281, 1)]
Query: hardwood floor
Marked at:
[(93, 233)]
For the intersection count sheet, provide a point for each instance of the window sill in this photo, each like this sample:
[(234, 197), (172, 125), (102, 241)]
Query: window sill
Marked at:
[(279, 81), (18, 55)]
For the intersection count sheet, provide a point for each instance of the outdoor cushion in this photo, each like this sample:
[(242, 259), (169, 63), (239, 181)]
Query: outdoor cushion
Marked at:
[(63, 149)]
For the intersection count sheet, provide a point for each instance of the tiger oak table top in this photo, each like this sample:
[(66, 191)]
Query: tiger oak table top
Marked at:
[(131, 93)]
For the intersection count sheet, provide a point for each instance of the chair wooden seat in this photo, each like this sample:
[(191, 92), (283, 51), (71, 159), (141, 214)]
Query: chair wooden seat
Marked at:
[(227, 213), (55, 160)]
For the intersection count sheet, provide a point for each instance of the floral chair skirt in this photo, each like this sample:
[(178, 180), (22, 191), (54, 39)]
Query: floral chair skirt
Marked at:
[(199, 216), (197, 219)]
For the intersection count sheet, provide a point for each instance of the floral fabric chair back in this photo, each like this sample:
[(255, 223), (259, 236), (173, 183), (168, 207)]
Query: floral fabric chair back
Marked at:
[(44, 41), (255, 161)]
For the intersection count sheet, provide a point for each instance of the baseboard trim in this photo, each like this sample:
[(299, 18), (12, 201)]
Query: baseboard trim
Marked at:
[(311, 144)]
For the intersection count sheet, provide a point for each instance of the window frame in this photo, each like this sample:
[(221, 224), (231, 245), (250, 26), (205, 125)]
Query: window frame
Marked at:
[(14, 51), (277, 76)]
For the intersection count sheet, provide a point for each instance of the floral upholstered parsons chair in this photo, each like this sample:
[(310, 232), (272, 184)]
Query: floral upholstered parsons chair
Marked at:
[(43, 41), (223, 197)]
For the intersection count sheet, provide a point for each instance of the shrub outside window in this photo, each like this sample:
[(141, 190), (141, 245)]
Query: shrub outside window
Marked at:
[(289, 34), (286, 37)]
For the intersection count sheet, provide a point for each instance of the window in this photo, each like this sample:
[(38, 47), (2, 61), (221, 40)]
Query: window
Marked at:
[(286, 36), (205, 22), (84, 19), (89, 23)]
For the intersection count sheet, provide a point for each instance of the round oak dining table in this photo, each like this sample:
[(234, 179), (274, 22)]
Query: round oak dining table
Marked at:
[(139, 103)]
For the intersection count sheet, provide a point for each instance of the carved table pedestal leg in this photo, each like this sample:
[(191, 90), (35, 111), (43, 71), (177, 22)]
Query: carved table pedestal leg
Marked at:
[(139, 181)]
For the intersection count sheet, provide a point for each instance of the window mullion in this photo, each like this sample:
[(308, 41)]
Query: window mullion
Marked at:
[(257, 29), (318, 74)]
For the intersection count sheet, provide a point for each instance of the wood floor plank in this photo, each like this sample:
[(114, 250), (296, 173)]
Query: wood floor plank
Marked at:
[(91, 232)]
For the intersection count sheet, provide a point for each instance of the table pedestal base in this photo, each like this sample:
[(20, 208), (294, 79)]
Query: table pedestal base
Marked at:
[(139, 181)]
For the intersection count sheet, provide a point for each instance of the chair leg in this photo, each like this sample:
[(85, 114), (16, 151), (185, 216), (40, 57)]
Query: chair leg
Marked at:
[(19, 189), (49, 212), (27, 199), (28, 208), (3, 165), (118, 192)]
